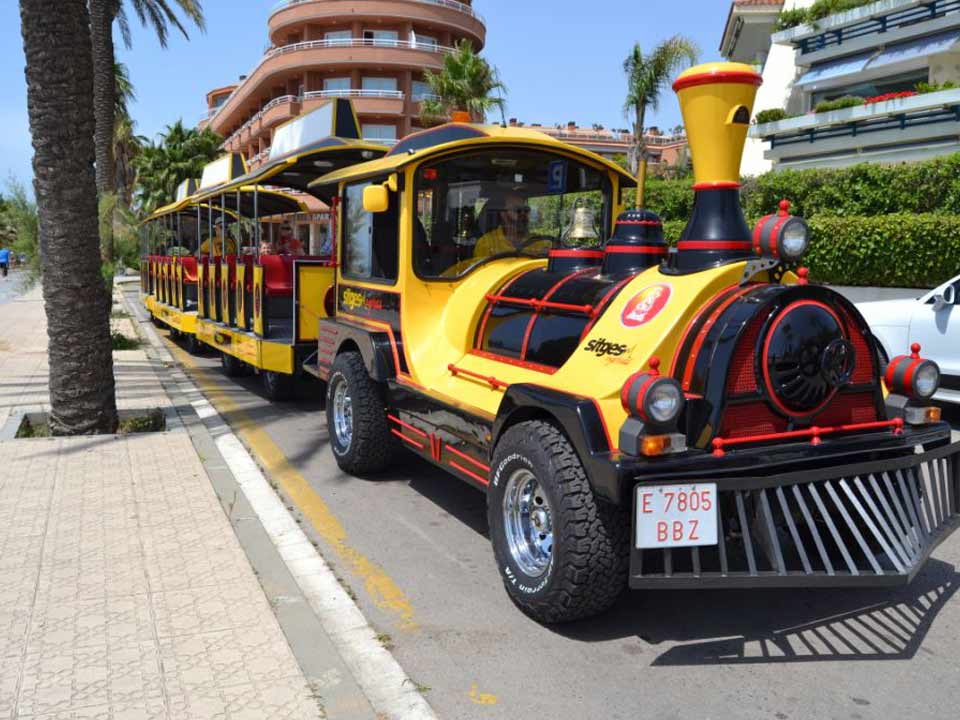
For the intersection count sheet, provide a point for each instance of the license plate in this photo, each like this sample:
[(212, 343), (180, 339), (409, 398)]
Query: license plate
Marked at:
[(676, 515)]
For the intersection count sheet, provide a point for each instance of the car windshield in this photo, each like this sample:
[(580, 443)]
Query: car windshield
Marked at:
[(500, 203)]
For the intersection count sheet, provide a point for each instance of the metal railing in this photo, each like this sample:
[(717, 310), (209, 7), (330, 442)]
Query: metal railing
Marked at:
[(382, 141), (352, 93), (452, 4), (356, 42)]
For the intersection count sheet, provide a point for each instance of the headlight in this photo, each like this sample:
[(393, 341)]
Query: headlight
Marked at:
[(926, 380), (794, 239), (653, 398), (663, 401)]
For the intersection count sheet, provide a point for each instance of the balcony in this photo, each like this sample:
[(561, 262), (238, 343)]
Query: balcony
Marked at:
[(365, 102), (903, 129), (868, 27), (346, 53)]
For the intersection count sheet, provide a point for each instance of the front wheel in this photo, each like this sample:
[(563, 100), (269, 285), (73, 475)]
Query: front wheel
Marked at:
[(232, 366), (357, 417), (562, 552)]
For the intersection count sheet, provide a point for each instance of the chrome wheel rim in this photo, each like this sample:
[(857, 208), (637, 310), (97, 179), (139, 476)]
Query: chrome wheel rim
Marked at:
[(342, 416), (528, 523)]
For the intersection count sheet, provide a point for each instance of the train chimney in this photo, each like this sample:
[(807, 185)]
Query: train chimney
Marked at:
[(717, 103)]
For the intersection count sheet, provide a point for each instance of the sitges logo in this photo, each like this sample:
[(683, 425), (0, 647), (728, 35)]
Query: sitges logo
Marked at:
[(601, 347)]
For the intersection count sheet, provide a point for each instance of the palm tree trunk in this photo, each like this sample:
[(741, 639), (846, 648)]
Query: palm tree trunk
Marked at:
[(102, 13), (56, 42), (638, 152)]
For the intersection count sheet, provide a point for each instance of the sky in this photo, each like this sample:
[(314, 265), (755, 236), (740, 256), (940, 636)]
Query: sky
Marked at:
[(561, 61)]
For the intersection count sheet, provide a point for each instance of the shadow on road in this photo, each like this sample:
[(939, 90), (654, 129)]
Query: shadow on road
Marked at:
[(733, 627)]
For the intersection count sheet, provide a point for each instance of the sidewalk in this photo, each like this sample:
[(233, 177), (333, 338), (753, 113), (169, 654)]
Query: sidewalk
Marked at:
[(124, 592)]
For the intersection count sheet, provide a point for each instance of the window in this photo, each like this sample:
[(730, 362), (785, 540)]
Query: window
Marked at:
[(379, 132), (380, 84), (337, 85), (880, 86), (420, 90), (387, 38), (428, 40), (369, 239), (338, 37), (504, 203)]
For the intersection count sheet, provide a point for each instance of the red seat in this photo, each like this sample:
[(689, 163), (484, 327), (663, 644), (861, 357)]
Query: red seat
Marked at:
[(277, 275), (231, 264), (189, 268), (247, 261)]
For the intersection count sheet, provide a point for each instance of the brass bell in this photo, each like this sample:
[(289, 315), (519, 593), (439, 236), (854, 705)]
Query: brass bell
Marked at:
[(582, 225)]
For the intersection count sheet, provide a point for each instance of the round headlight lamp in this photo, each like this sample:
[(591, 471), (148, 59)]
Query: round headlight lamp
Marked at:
[(653, 398), (912, 375), (793, 239)]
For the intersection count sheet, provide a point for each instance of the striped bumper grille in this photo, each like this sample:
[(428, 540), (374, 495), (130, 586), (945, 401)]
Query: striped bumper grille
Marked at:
[(869, 524)]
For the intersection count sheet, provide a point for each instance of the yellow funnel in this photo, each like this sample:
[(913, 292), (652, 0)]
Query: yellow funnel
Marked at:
[(717, 103)]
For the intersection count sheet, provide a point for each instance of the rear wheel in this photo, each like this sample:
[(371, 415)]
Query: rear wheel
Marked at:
[(232, 367), (192, 345), (277, 386), (562, 552), (357, 417)]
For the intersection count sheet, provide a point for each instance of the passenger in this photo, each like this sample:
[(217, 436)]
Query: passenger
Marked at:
[(512, 234), (289, 244), (4, 260), (218, 242)]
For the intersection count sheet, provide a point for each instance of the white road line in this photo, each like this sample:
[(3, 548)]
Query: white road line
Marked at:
[(388, 688)]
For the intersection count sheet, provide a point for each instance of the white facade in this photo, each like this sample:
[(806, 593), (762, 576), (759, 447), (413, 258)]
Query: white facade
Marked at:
[(886, 46)]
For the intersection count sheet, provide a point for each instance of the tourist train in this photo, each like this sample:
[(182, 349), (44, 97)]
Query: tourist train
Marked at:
[(638, 414)]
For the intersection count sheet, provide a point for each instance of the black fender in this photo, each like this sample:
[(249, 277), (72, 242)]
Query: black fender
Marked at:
[(580, 420), (374, 346)]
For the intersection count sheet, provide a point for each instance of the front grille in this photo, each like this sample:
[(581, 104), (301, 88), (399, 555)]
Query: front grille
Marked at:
[(873, 523)]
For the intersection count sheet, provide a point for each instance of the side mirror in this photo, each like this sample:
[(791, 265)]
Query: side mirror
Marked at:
[(376, 198), (943, 299)]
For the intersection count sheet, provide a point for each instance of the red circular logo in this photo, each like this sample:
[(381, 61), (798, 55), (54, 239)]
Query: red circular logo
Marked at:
[(645, 305)]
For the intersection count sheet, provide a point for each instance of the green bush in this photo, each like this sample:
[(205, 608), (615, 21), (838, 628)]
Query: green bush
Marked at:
[(771, 115), (819, 10), (925, 87), (791, 18), (898, 250), (840, 103), (866, 189)]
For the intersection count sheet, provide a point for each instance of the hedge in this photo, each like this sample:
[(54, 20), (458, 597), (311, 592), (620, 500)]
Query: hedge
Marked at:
[(900, 250), (924, 187)]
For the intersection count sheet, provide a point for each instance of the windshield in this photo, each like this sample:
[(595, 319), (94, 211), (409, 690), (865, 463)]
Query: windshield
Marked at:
[(505, 202)]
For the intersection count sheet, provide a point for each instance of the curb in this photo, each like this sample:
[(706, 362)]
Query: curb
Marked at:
[(388, 689)]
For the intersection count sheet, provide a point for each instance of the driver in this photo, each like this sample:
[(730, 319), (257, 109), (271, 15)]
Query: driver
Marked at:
[(512, 234)]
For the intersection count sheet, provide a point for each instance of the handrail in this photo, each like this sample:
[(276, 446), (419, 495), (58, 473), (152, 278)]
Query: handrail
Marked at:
[(353, 93), (453, 4)]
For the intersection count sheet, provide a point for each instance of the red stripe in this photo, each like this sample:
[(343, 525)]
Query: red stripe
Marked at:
[(640, 395), (908, 376), (565, 253), (774, 233), (403, 437), (486, 316), (702, 335), (485, 468), (408, 426), (651, 223), (757, 230), (625, 390), (891, 369), (469, 473), (740, 77), (543, 303), (812, 432), (638, 249), (713, 245), (717, 185), (490, 379)]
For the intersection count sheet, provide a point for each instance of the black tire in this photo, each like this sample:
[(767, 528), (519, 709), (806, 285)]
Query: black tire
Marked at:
[(192, 345), (370, 446), (232, 366), (278, 387), (586, 567)]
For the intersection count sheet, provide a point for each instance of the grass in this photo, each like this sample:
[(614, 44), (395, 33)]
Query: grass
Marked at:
[(385, 640), (119, 315), (28, 429), (153, 421), (122, 342)]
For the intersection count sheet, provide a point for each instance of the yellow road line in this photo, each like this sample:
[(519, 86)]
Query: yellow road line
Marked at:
[(384, 592)]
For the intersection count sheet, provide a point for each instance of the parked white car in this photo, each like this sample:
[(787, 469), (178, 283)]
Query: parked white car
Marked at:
[(933, 320)]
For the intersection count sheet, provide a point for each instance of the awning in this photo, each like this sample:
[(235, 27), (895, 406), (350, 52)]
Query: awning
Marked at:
[(921, 48), (835, 68)]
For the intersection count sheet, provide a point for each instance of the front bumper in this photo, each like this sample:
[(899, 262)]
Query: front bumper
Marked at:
[(871, 522)]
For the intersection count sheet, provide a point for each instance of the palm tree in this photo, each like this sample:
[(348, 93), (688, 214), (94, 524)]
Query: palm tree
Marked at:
[(647, 76), (466, 84), (126, 143), (56, 43), (181, 153), (161, 15)]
